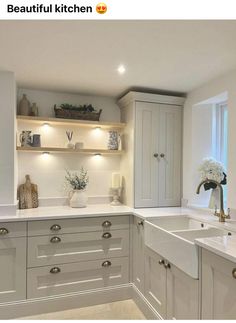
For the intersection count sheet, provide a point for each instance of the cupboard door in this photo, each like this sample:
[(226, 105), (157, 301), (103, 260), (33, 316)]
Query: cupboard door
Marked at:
[(218, 287), (182, 295), (146, 145), (138, 254), (155, 282), (12, 269), (170, 155)]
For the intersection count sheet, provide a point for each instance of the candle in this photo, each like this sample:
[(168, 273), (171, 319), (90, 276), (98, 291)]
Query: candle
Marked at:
[(115, 180)]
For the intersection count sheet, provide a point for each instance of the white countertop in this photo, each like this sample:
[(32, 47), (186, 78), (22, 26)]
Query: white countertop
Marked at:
[(223, 246)]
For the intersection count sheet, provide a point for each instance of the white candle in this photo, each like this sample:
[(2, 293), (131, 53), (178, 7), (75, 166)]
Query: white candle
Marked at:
[(115, 180)]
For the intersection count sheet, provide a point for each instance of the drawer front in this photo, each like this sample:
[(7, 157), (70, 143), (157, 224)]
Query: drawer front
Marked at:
[(57, 226), (64, 248), (12, 229), (75, 277)]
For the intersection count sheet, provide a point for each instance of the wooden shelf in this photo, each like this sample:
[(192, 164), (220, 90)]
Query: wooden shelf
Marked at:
[(67, 150), (79, 123)]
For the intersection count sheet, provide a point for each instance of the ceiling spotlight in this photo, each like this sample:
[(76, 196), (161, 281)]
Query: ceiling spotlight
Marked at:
[(121, 69)]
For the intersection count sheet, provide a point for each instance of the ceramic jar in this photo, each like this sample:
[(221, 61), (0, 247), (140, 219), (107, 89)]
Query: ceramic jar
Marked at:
[(79, 199), (24, 106)]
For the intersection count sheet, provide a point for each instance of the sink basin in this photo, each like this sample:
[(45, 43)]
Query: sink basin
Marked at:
[(173, 239)]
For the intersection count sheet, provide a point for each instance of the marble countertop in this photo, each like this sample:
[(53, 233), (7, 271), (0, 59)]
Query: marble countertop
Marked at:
[(224, 246)]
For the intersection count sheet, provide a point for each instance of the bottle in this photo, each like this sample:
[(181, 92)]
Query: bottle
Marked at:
[(24, 106), (34, 110)]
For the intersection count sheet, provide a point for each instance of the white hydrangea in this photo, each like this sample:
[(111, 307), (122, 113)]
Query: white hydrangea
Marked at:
[(211, 169)]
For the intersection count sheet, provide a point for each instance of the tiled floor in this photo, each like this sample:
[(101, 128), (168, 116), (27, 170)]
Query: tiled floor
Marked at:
[(123, 310)]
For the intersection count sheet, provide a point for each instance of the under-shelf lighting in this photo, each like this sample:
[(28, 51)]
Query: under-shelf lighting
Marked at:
[(97, 154)]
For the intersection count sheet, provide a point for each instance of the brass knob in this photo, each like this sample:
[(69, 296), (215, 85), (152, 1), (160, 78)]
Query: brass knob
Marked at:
[(106, 235), (161, 262), (234, 273), (106, 224), (106, 263), (167, 265), (55, 270), (3, 231), (162, 155), (140, 222), (155, 155), (55, 227), (55, 240)]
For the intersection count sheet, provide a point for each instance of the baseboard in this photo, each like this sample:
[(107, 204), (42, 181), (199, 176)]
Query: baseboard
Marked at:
[(145, 307), (65, 302)]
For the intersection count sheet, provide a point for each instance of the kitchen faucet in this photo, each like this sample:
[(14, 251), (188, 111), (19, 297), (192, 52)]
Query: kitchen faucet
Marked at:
[(221, 214)]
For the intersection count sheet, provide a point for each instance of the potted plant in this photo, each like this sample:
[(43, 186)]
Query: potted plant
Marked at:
[(78, 183)]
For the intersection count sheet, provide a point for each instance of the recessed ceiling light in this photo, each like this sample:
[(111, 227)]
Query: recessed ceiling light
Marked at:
[(121, 69)]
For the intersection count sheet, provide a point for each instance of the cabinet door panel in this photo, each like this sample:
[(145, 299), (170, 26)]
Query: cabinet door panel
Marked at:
[(218, 288), (170, 147), (146, 165), (182, 295), (155, 282), (138, 254), (12, 269)]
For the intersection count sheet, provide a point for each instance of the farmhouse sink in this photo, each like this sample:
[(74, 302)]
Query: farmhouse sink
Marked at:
[(173, 238)]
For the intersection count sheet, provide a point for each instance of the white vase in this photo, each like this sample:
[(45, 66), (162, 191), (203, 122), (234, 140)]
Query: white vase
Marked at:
[(79, 199)]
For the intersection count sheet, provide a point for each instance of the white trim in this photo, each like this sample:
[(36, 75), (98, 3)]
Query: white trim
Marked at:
[(145, 307), (148, 97), (65, 302)]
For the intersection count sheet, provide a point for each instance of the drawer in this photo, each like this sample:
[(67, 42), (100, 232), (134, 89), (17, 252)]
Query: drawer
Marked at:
[(46, 227), (12, 229), (75, 277), (64, 248)]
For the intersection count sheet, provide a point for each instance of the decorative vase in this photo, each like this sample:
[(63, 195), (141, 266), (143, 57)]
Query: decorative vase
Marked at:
[(24, 106), (79, 199), (34, 110), (113, 140)]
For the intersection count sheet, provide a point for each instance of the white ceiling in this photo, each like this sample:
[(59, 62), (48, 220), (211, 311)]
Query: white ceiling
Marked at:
[(82, 56)]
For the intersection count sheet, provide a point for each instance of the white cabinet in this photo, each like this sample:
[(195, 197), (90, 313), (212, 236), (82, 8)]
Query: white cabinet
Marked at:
[(151, 164), (155, 281), (138, 253), (173, 294), (12, 269), (157, 154), (182, 295), (218, 287)]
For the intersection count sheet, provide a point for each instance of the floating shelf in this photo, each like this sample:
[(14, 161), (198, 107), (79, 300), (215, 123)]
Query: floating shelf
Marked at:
[(80, 123), (67, 150)]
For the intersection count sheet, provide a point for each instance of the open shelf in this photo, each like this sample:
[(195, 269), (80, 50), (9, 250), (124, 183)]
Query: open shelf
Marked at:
[(71, 151), (79, 123)]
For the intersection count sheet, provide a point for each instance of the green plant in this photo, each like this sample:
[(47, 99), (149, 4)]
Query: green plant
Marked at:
[(82, 108), (77, 181)]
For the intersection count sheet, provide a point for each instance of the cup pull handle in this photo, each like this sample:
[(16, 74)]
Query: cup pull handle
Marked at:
[(106, 263), (3, 231), (55, 270), (55, 240), (106, 235)]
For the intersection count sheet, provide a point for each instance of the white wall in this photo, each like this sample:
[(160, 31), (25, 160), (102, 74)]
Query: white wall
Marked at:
[(226, 83), (7, 138), (48, 172)]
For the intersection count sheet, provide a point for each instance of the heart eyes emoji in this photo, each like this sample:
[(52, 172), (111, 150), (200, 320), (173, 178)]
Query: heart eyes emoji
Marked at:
[(101, 8)]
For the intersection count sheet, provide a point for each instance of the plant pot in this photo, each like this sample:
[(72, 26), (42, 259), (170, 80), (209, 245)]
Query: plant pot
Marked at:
[(79, 199)]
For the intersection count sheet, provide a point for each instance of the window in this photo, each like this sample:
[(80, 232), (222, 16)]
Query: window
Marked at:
[(221, 133)]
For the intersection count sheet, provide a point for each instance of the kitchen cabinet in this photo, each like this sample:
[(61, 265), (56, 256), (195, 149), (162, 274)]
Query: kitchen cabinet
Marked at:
[(218, 287), (157, 154), (172, 293), (13, 267), (153, 149), (138, 253)]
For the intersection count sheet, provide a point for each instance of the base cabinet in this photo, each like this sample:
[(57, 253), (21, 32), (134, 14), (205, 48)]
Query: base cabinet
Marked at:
[(138, 253), (218, 287), (182, 295), (172, 293), (12, 269)]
